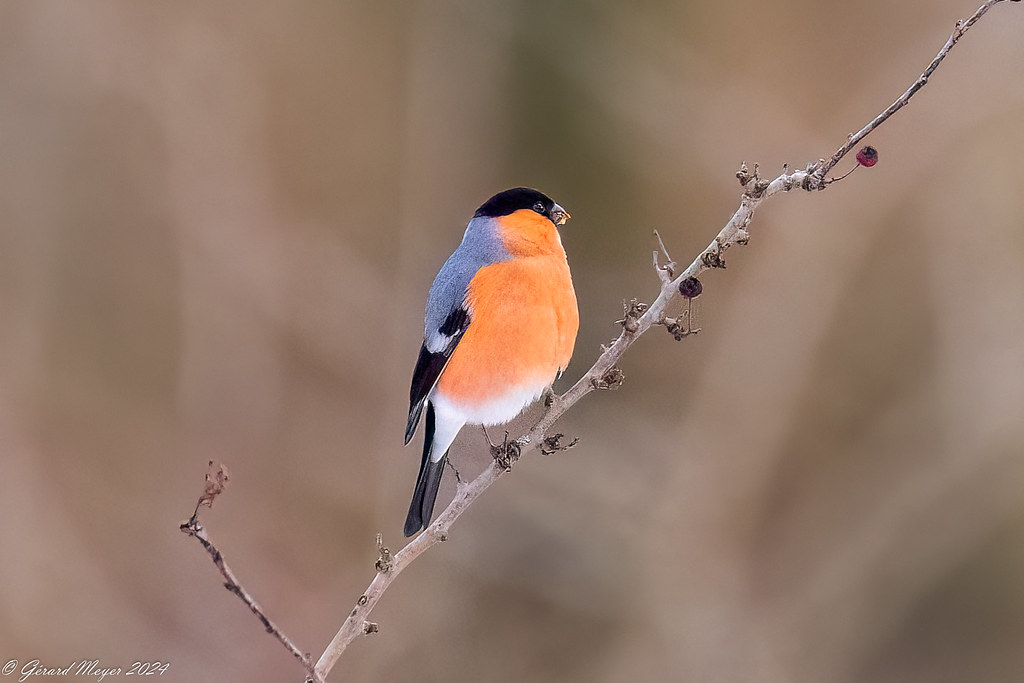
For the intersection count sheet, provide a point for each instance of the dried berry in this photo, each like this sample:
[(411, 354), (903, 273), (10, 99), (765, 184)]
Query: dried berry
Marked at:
[(691, 288), (868, 156)]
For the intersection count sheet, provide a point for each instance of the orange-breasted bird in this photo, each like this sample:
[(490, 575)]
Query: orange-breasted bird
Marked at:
[(500, 326)]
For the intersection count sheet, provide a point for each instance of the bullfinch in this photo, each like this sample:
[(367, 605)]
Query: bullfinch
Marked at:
[(500, 327)]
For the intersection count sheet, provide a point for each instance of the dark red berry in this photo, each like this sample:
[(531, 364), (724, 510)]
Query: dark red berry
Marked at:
[(868, 156), (691, 288)]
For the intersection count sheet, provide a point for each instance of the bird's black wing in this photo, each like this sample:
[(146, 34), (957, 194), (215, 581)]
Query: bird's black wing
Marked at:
[(431, 364)]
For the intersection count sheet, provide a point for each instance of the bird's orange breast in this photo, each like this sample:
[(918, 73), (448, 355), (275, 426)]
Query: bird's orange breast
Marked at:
[(524, 318)]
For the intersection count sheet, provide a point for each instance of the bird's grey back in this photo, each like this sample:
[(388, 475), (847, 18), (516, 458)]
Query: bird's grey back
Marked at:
[(481, 246)]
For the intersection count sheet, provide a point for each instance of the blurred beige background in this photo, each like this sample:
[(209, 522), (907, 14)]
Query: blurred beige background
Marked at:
[(219, 224)]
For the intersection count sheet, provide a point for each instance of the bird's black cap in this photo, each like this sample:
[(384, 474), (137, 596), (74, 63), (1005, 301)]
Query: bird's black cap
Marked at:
[(510, 201)]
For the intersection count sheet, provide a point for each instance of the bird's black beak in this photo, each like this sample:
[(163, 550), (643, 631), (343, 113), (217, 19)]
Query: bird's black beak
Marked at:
[(559, 215)]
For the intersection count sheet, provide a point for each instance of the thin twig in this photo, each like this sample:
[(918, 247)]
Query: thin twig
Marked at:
[(605, 373), (216, 478), (356, 624), (667, 271), (817, 180)]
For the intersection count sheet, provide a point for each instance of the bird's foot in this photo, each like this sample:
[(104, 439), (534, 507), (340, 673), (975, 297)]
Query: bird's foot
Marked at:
[(506, 453), (548, 397)]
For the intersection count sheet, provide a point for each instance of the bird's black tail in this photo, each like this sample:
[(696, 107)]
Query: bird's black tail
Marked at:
[(427, 483)]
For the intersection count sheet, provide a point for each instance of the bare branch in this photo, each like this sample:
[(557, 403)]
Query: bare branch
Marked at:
[(357, 624), (216, 478)]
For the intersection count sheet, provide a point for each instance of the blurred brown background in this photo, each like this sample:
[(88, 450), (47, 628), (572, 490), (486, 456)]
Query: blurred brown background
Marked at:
[(219, 224)]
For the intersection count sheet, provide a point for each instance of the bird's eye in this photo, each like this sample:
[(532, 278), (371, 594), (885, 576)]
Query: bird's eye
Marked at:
[(540, 208)]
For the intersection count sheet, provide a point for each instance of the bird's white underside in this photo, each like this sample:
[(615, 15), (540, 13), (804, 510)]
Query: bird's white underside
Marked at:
[(450, 417)]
